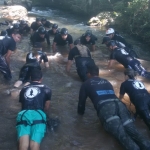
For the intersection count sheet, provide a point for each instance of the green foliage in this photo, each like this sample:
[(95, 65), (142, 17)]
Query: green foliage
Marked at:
[(135, 18)]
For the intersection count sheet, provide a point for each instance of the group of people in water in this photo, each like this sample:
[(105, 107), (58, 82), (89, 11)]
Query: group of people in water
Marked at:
[(35, 97)]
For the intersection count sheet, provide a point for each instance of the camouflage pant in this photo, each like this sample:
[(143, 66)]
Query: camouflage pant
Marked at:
[(121, 126)]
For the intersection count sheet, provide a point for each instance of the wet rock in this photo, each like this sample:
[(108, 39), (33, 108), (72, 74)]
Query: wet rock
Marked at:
[(68, 84), (15, 12)]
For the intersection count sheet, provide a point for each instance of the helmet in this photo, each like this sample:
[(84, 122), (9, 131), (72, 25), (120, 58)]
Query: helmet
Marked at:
[(16, 26), (106, 39), (43, 19), (30, 58), (64, 31), (130, 72), (111, 43), (41, 30), (22, 22), (3, 33), (88, 33), (55, 26), (76, 42), (38, 19), (110, 31)]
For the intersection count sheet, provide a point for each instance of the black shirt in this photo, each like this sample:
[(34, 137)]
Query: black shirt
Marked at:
[(60, 42), (121, 56), (34, 96), (36, 38), (24, 28), (96, 89), (47, 24), (51, 33), (7, 43), (35, 26), (84, 41), (119, 38), (135, 90)]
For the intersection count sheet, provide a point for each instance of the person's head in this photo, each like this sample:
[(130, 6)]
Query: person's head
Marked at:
[(130, 73), (41, 31), (88, 35), (36, 75), (38, 21), (54, 27), (105, 41), (16, 36), (76, 42), (23, 22), (37, 46), (31, 58), (93, 70), (3, 33), (110, 32), (111, 44), (64, 33), (43, 20), (16, 27)]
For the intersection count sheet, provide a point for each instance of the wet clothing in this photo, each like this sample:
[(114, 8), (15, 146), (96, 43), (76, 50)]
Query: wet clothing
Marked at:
[(35, 26), (47, 24), (91, 41), (51, 33), (32, 119), (6, 43), (60, 42), (24, 28), (139, 96), (113, 114), (36, 38), (127, 49), (119, 38), (128, 61), (83, 59)]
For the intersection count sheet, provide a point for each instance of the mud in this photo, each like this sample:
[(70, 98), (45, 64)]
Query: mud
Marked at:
[(74, 132)]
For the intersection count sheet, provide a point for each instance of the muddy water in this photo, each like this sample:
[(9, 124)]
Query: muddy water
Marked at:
[(74, 132)]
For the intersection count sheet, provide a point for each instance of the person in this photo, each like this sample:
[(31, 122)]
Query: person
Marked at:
[(106, 39), (14, 28), (82, 57), (88, 39), (113, 114), (3, 33), (46, 23), (40, 35), (24, 27), (54, 30), (137, 93), (35, 25), (62, 39), (125, 59), (31, 120), (7, 47)]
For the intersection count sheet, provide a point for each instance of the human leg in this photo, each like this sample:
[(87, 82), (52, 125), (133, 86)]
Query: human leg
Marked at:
[(34, 145), (131, 129), (115, 126), (24, 142)]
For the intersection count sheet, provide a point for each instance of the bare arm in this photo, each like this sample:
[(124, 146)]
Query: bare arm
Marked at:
[(71, 46), (121, 97), (7, 57), (110, 64), (69, 64), (47, 105)]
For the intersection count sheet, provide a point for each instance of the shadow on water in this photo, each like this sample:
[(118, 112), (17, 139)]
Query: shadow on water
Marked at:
[(74, 132)]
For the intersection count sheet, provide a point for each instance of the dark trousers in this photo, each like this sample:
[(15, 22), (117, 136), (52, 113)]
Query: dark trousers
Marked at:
[(121, 128), (25, 72), (82, 66), (4, 68)]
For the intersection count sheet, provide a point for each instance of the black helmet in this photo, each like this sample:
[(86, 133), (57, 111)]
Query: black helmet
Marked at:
[(41, 30), (111, 43), (55, 26), (43, 19), (130, 72), (16, 26), (106, 39), (3, 33), (64, 31), (38, 19), (23, 22), (76, 42), (88, 33)]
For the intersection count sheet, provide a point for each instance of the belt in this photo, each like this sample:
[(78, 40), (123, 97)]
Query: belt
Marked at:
[(107, 100)]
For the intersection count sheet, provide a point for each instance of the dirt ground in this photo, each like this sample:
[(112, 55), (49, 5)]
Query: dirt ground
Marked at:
[(74, 132)]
